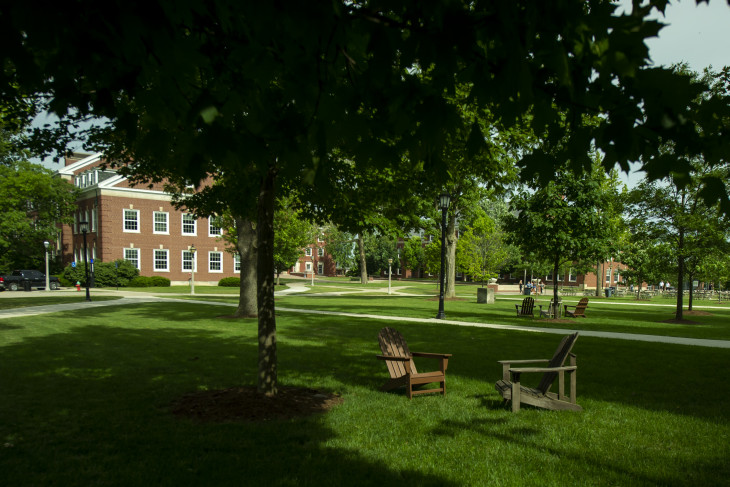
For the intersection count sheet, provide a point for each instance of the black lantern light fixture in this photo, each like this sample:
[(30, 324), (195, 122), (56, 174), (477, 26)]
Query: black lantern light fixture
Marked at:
[(444, 201)]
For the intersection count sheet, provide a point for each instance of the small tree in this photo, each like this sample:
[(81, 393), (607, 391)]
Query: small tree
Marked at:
[(413, 253), (482, 250), (341, 246)]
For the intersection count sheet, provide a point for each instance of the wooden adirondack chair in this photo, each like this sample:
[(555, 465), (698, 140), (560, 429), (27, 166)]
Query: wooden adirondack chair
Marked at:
[(528, 304), (399, 360), (580, 309), (511, 389), (553, 310)]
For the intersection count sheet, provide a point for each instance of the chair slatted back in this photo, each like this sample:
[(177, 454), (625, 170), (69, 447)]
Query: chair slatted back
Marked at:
[(527, 306), (562, 352), (392, 343), (581, 307)]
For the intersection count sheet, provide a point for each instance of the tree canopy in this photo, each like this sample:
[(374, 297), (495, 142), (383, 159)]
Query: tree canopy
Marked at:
[(265, 93)]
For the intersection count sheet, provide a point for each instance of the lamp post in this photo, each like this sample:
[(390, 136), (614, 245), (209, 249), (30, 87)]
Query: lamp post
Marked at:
[(48, 279), (84, 230), (390, 263), (192, 269), (444, 200)]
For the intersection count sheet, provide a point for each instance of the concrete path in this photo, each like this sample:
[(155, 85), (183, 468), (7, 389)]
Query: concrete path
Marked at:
[(130, 299)]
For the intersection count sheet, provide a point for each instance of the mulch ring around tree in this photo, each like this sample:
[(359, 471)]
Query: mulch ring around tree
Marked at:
[(688, 313), (246, 404)]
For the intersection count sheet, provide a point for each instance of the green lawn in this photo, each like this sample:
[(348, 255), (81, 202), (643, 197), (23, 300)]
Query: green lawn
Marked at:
[(86, 402)]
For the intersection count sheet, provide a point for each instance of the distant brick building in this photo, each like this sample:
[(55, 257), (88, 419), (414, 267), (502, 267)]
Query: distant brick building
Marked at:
[(139, 224)]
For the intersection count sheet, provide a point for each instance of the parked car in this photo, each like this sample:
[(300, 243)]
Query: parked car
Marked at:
[(19, 279)]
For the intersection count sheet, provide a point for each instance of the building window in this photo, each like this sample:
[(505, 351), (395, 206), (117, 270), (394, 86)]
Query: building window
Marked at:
[(188, 261), (160, 222), (215, 261), (131, 221), (188, 224), (308, 252), (213, 229), (320, 268), (608, 275), (161, 260), (132, 255), (308, 266), (549, 277), (320, 252), (93, 220), (561, 277), (572, 277), (236, 263)]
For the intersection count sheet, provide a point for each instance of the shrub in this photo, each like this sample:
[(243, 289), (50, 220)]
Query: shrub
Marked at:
[(230, 282), (141, 281), (106, 274), (159, 281)]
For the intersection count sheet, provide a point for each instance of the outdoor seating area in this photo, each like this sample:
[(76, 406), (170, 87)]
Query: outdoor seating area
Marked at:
[(165, 376)]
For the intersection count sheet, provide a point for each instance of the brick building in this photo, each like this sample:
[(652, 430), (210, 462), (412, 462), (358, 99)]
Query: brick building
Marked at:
[(141, 225)]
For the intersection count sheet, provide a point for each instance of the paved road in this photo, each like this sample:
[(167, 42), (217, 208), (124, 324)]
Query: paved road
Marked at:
[(129, 298)]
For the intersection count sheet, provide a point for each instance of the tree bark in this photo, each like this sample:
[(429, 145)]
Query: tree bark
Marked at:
[(363, 263), (450, 288), (267, 367), (248, 250), (690, 277), (598, 278), (680, 277)]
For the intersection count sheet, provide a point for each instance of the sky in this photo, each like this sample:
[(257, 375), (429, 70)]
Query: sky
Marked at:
[(696, 34)]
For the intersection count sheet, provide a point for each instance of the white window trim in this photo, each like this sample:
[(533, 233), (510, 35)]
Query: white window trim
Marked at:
[(167, 260), (320, 251), (216, 271), (210, 228), (182, 226), (308, 267), (124, 221), (139, 259), (320, 268), (167, 222), (237, 263), (194, 261), (308, 252)]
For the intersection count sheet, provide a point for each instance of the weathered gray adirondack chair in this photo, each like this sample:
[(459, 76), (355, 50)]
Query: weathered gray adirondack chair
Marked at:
[(399, 360), (511, 389)]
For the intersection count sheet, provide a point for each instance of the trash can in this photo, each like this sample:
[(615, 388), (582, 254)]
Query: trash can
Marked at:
[(527, 290), (26, 285), (609, 291)]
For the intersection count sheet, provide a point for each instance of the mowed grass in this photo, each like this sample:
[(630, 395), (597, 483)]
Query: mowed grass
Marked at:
[(24, 301), (86, 402)]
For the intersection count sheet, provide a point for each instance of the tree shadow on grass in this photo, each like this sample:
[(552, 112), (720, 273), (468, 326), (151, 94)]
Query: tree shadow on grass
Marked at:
[(91, 406), (584, 464)]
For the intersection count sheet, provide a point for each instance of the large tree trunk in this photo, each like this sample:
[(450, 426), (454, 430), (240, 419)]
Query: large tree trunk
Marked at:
[(599, 278), (267, 377), (680, 277), (363, 263), (450, 288), (690, 277), (247, 249)]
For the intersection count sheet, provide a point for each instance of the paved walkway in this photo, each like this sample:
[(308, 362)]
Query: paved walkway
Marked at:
[(137, 298)]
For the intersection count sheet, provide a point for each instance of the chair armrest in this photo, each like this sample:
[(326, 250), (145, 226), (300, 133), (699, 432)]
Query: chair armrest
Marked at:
[(393, 357), (431, 355), (566, 368), (507, 365), (530, 361)]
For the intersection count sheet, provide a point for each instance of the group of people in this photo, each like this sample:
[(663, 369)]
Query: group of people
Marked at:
[(664, 286), (536, 287)]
